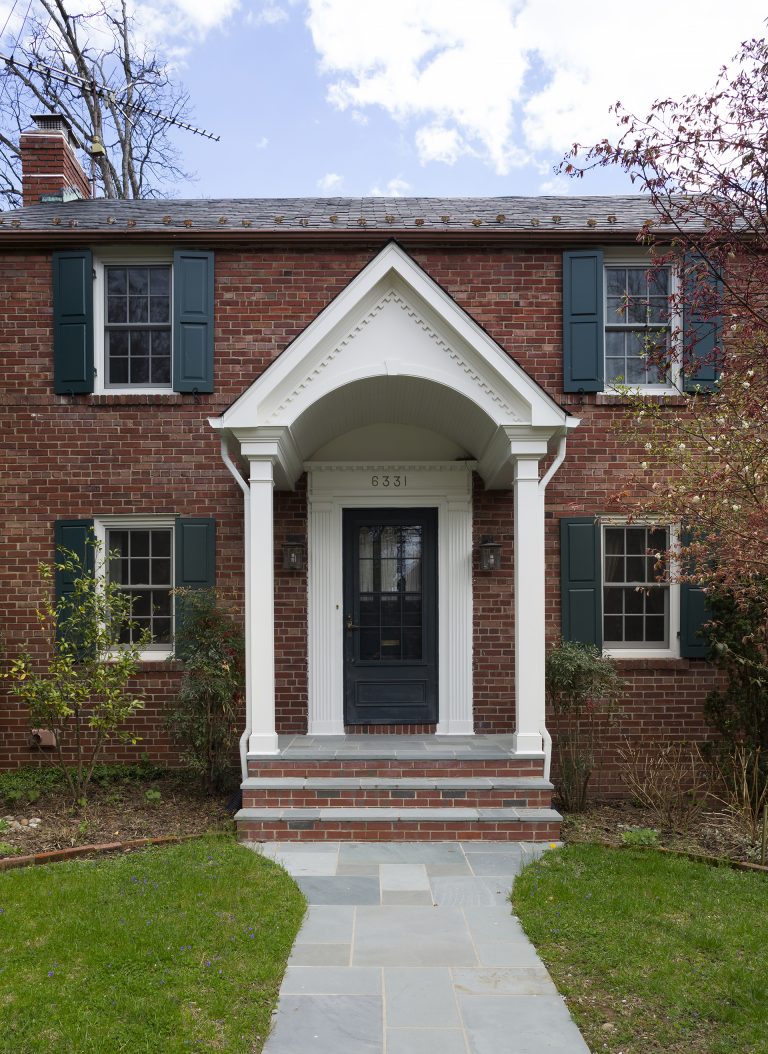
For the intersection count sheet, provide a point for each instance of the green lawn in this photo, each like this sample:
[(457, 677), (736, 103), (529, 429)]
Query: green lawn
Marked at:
[(172, 949), (654, 953)]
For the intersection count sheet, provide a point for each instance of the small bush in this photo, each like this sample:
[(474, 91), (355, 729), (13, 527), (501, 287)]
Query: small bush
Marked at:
[(744, 781), (640, 836), (208, 710), (6, 849), (153, 796), (672, 780), (582, 685)]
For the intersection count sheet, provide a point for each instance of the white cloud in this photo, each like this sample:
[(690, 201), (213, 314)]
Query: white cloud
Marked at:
[(269, 14), (435, 142), (397, 187), (511, 79), (330, 181), (261, 144)]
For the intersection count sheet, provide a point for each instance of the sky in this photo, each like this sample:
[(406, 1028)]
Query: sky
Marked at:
[(425, 97)]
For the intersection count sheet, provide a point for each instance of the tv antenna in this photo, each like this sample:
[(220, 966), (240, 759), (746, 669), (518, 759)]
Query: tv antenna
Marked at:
[(104, 92)]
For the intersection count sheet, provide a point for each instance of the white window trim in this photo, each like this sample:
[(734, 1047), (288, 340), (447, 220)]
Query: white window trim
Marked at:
[(634, 257), (673, 651), (102, 524), (110, 256)]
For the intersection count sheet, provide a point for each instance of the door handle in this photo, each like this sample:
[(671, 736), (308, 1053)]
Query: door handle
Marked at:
[(350, 624)]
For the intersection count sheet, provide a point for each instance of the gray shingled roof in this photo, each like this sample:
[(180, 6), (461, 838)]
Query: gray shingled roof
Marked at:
[(533, 216)]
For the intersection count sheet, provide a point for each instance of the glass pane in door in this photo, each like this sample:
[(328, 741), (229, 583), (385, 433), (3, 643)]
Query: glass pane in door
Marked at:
[(390, 592)]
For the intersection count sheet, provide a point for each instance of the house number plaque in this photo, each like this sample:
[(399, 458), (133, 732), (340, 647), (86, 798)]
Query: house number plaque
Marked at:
[(389, 481)]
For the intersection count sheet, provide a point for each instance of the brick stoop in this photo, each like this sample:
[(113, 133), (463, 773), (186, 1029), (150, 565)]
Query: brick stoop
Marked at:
[(422, 788)]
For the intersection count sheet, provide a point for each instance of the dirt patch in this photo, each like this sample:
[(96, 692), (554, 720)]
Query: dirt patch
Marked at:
[(711, 834), (172, 804)]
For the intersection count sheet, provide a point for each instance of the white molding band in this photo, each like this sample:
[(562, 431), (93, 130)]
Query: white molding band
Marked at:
[(445, 486)]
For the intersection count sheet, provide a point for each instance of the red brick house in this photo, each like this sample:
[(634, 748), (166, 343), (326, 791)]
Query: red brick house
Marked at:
[(385, 426)]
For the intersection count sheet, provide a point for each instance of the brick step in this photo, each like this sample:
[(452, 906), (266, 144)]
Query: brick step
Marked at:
[(430, 766), (394, 792), (414, 824)]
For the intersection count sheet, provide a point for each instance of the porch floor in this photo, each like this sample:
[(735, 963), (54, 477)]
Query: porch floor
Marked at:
[(399, 747)]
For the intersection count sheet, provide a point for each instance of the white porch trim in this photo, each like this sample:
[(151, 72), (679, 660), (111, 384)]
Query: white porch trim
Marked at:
[(333, 487)]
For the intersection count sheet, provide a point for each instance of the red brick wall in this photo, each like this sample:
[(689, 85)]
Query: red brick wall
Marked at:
[(48, 166), (96, 455)]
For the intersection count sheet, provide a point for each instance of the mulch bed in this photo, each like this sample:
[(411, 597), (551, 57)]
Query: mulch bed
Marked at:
[(712, 834), (116, 812)]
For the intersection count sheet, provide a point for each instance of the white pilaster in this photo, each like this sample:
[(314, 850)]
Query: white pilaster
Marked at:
[(326, 644), (260, 654), (529, 606), (456, 717)]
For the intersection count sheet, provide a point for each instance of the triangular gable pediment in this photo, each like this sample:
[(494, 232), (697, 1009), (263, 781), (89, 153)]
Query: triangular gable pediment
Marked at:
[(394, 320)]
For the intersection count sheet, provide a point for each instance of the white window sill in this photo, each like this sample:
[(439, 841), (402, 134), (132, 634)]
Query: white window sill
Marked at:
[(640, 653), (159, 655)]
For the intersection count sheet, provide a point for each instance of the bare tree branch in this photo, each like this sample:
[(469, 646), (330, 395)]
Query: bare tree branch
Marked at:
[(124, 78)]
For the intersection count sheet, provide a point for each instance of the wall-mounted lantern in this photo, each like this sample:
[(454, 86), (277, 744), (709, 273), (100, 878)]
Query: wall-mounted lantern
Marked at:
[(490, 553), (294, 553)]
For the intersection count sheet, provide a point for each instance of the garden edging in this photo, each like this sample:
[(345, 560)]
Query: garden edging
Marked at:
[(55, 856)]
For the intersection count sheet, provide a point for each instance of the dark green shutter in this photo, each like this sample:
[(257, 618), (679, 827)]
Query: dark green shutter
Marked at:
[(192, 321), (195, 560), (75, 536), (73, 321), (583, 321), (581, 580), (195, 553), (694, 612), (701, 334)]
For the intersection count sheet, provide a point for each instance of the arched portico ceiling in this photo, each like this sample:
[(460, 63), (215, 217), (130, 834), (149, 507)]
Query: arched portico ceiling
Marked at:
[(395, 348)]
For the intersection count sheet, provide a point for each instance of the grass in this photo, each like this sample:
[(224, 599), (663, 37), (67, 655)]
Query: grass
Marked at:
[(654, 953), (178, 949)]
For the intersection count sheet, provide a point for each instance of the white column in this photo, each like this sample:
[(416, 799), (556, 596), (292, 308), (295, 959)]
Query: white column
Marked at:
[(529, 606), (326, 643), (260, 631), (455, 554)]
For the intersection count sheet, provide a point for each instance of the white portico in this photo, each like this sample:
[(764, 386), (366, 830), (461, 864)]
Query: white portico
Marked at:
[(389, 400)]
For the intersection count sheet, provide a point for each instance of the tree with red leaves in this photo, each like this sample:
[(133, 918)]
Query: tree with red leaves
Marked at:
[(703, 160)]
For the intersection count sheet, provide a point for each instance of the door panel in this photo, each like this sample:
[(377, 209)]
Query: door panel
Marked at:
[(390, 611)]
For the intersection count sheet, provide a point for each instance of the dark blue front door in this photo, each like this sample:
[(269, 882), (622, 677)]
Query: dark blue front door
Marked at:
[(390, 610)]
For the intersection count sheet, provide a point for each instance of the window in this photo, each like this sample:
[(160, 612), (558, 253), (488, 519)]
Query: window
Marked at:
[(142, 553), (635, 602), (140, 561), (137, 332), (638, 331), (133, 321)]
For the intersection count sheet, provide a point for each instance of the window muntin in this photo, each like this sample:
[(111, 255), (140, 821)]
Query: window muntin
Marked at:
[(636, 606), (137, 330), (638, 325), (141, 562)]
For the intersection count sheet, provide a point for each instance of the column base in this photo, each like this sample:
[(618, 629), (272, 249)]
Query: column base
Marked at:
[(325, 728), (528, 743), (263, 743), (455, 728)]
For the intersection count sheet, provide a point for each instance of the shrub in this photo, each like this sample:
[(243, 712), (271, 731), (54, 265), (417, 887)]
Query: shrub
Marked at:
[(672, 780), (738, 635), (81, 692), (208, 709), (581, 685)]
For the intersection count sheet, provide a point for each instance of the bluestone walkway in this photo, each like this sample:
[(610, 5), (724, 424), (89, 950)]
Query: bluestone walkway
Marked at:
[(411, 948)]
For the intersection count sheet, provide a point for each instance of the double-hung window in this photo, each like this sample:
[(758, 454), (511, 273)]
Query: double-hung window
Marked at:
[(137, 330), (141, 563), (638, 326), (636, 591)]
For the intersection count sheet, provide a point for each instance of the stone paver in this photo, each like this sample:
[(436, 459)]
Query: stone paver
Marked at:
[(411, 948)]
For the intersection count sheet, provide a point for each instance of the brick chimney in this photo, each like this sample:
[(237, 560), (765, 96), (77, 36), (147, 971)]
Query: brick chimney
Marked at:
[(50, 170)]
